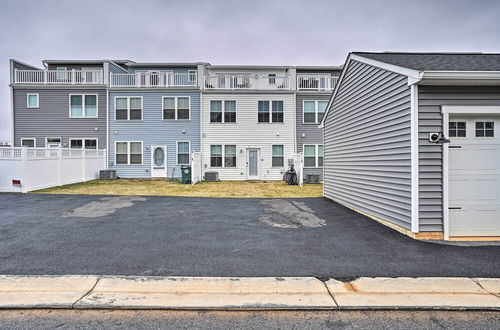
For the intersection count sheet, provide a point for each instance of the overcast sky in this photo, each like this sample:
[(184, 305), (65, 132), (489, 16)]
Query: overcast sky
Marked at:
[(292, 32)]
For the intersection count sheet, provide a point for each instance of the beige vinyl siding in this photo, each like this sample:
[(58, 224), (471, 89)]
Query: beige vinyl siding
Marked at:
[(430, 100), (248, 133), (368, 146)]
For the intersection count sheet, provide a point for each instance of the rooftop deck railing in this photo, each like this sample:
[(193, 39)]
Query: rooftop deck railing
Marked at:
[(59, 77), (258, 82), (154, 79), (318, 82)]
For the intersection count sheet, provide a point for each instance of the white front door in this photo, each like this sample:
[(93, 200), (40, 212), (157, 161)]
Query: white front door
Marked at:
[(158, 161), (474, 176), (253, 164)]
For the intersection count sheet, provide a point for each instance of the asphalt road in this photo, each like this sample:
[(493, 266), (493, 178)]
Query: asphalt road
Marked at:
[(68, 234), (96, 319)]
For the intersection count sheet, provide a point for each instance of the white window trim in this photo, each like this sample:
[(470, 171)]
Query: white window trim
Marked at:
[(271, 112), (128, 108), (83, 143), (53, 137), (190, 73), (272, 156), (223, 107), (223, 150), (177, 152), (84, 110), (29, 138), (316, 154), (128, 153), (446, 110), (28, 100), (176, 110), (316, 111)]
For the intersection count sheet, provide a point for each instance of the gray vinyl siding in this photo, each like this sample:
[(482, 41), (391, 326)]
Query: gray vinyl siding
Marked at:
[(153, 130), (430, 100), (313, 134), (52, 119), (21, 66), (115, 68), (368, 144)]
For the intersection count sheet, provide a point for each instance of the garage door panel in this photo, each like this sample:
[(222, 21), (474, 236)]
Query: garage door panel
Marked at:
[(474, 183)]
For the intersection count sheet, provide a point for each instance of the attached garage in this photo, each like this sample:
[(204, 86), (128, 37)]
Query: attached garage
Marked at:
[(412, 140)]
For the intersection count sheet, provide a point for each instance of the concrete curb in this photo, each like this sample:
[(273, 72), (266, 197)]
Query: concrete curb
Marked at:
[(247, 293)]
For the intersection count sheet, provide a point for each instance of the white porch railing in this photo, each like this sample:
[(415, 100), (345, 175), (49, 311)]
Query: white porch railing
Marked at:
[(266, 82), (59, 77), (316, 82), (153, 79), (27, 169)]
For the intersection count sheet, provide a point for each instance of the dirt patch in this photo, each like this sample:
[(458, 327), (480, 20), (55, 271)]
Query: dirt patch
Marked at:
[(285, 214)]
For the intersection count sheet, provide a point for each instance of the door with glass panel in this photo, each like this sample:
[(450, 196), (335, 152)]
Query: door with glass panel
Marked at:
[(253, 164), (158, 161)]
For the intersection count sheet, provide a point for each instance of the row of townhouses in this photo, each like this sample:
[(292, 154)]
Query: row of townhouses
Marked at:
[(245, 120)]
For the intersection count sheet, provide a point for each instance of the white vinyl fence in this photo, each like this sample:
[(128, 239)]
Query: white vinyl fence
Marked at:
[(298, 164), (196, 167), (28, 169)]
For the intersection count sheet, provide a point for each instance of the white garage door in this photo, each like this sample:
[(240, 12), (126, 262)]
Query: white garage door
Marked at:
[(474, 176)]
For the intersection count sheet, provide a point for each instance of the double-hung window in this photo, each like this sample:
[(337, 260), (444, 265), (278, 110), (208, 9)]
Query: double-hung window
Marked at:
[(222, 111), (313, 111), (192, 76), (313, 155), (128, 153), (32, 100), (222, 155), (272, 78), (128, 108), (278, 158), (270, 112), (82, 106), (176, 107), (183, 150), (90, 144)]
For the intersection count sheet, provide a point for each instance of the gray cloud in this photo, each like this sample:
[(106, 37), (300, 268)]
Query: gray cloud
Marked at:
[(311, 32)]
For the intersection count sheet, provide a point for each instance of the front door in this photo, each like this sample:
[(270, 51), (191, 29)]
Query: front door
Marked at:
[(253, 164), (158, 161), (474, 176)]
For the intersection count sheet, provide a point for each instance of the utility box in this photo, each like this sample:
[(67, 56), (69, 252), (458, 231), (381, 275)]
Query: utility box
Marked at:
[(107, 174), (312, 178), (211, 176), (186, 174)]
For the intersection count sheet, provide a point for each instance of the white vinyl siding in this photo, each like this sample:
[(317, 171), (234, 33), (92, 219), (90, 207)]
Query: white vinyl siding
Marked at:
[(247, 133)]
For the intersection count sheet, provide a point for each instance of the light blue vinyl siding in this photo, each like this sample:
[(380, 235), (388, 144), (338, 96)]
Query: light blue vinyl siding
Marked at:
[(153, 130)]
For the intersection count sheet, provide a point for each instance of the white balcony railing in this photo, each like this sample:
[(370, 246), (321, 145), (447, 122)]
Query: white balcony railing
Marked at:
[(59, 77), (320, 82), (222, 81), (153, 79)]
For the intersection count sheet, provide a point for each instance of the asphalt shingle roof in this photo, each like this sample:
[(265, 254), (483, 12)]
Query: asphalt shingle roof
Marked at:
[(439, 61)]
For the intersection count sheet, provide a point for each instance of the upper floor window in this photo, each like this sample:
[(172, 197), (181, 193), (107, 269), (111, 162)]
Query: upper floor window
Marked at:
[(28, 142), (457, 129), (128, 108), (192, 76), (83, 106), (272, 78), (222, 111), (270, 111), (183, 150), (83, 144), (176, 107), (32, 100), (313, 111), (485, 129), (313, 155), (61, 73)]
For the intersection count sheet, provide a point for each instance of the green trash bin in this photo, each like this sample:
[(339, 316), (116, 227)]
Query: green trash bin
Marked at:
[(186, 174)]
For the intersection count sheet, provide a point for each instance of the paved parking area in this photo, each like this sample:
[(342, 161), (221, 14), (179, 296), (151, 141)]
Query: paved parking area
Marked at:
[(133, 235)]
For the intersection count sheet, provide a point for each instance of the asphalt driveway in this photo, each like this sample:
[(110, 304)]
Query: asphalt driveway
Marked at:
[(132, 235)]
